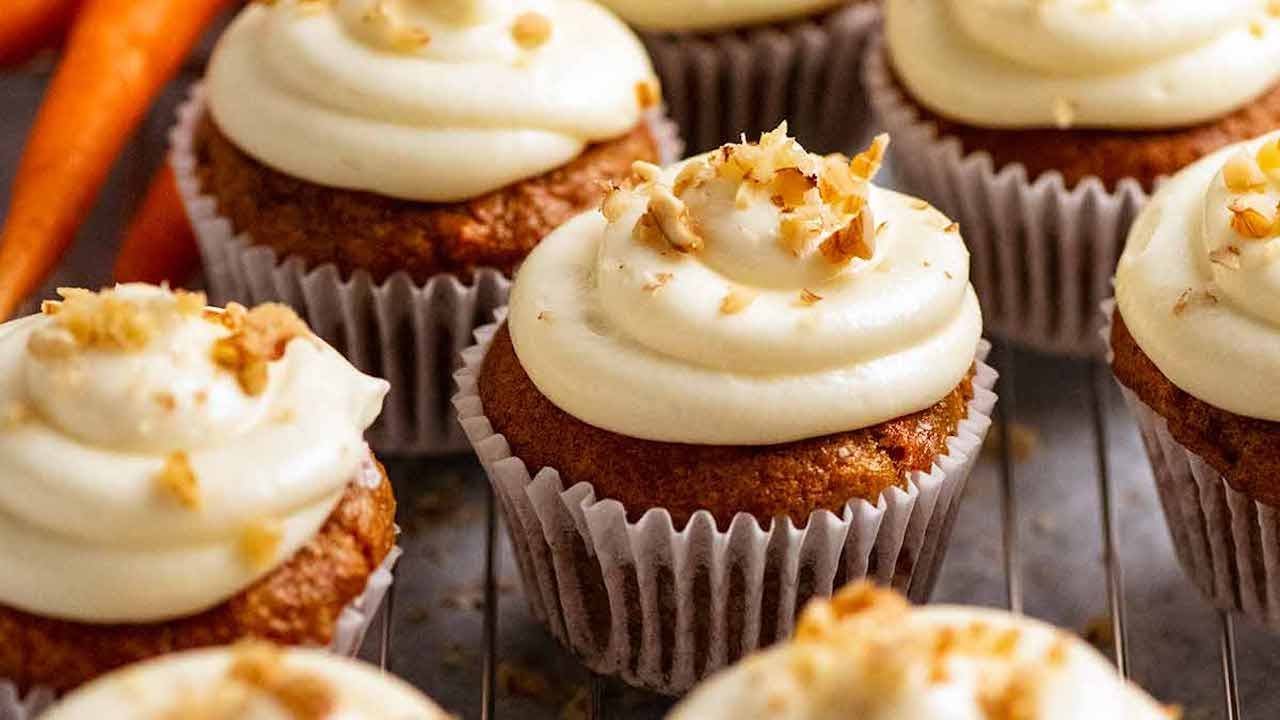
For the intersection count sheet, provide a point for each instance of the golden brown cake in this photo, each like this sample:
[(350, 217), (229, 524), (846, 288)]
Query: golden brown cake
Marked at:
[(177, 476)]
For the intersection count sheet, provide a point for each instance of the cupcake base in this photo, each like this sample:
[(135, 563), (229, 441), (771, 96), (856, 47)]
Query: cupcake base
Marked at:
[(663, 607), (407, 332), (720, 85), (1042, 252)]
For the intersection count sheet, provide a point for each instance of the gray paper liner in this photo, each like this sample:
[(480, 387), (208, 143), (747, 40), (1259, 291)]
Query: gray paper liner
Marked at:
[(348, 635), (720, 85), (662, 608), (406, 332), (1227, 543), (1042, 254)]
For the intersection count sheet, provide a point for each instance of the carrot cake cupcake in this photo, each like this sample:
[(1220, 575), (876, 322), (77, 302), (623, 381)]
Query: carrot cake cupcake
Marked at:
[(248, 680), (730, 68), (1044, 126), (174, 476), (762, 375), (867, 654), (384, 165), (1196, 344)]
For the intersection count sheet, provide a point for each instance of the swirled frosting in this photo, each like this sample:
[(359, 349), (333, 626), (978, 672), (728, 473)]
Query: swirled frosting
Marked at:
[(1127, 64), (713, 14), (866, 654), (248, 682), (755, 295), (425, 100), (156, 458), (1198, 285)]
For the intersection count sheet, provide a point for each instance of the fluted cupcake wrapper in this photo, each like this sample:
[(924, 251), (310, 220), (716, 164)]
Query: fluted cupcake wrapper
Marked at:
[(720, 85), (348, 635), (663, 607), (407, 332), (1042, 254), (1227, 543)]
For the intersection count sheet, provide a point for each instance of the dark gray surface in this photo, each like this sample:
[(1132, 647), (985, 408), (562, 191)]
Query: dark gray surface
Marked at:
[(437, 616)]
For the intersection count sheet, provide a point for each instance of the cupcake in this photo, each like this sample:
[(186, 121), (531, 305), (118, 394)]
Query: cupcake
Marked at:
[(249, 680), (868, 654), (1195, 338), (730, 68), (1043, 128), (383, 166), (743, 380), (174, 476)]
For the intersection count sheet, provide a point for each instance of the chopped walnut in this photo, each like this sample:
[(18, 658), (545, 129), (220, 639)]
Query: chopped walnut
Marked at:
[(177, 480), (1242, 173), (614, 204), (51, 343), (1064, 113), (305, 696), (847, 243), (657, 282), (1228, 257), (648, 93), (1252, 216), (260, 541), (104, 320), (258, 338), (952, 228), (1268, 157), (671, 217), (531, 30), (737, 300), (1191, 297), (694, 173), (867, 163), (801, 227), (790, 187), (809, 297)]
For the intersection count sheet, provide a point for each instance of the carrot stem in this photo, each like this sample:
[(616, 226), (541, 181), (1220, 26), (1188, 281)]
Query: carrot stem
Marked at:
[(29, 26), (119, 56), (159, 245)]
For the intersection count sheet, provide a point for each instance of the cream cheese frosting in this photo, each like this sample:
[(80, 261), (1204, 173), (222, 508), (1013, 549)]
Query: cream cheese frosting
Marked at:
[(1123, 64), (1198, 284), (694, 15), (865, 654), (425, 100), (248, 682), (755, 295), (152, 465)]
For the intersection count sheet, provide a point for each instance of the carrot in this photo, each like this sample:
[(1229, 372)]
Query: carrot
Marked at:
[(29, 26), (119, 55), (159, 245)]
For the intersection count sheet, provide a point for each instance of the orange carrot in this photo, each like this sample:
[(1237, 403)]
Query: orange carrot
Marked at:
[(29, 26), (119, 55), (159, 245)]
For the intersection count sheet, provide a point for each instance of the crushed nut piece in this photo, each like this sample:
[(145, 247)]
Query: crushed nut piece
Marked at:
[(737, 300), (177, 480), (867, 163), (671, 217), (614, 204), (1064, 113), (260, 541), (952, 228), (531, 30), (166, 400), (1268, 157), (14, 414), (790, 186), (546, 315), (847, 243), (1190, 298), (303, 695), (1252, 216), (51, 343), (799, 228), (809, 297), (648, 93), (693, 174), (660, 280), (1242, 173), (1228, 257), (259, 337), (104, 320)]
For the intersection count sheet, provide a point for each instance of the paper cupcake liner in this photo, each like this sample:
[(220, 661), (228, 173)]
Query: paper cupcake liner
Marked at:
[(406, 332), (348, 635), (1227, 543), (1042, 254), (662, 608), (720, 85)]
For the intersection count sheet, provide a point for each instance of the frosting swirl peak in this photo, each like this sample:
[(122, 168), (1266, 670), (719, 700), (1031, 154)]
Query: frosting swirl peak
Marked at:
[(386, 95), (766, 292), (157, 456)]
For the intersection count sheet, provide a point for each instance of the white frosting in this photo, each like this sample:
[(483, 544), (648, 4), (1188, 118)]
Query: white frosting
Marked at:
[(713, 14), (1127, 64), (342, 95), (197, 684), (86, 533), (633, 338), (1202, 299), (930, 663)]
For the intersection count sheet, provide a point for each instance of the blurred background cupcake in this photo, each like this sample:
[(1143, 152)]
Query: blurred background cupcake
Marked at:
[(384, 166), (762, 377), (247, 681), (867, 654), (1043, 127), (173, 476), (1196, 344), (730, 68)]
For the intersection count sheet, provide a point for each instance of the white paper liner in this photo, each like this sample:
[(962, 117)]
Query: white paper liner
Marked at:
[(348, 635), (406, 332), (662, 608), (720, 85), (1042, 255), (1227, 543)]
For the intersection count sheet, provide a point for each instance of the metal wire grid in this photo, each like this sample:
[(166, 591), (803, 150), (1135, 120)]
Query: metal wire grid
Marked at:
[(1006, 410)]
